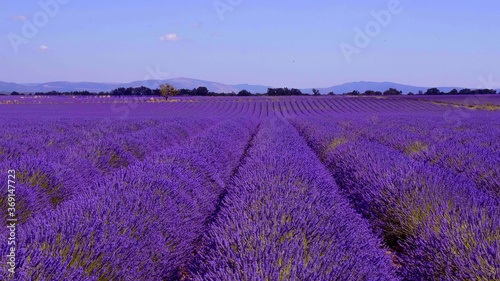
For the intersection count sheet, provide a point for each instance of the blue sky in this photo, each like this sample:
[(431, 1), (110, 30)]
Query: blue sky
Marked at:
[(274, 43)]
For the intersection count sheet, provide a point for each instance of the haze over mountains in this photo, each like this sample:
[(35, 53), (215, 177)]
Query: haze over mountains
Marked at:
[(188, 83)]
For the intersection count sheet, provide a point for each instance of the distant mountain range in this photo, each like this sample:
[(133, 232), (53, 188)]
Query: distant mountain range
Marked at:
[(376, 86), (188, 83)]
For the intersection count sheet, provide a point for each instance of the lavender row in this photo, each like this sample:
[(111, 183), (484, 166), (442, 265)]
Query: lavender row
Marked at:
[(442, 227), (47, 180), (479, 130), (40, 138), (284, 219), (140, 223), (469, 150), (55, 107)]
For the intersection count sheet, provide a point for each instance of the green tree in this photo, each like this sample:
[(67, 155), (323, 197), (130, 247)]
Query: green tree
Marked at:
[(167, 90), (202, 91), (392, 92), (372, 93), (433, 91), (353, 93), (316, 92), (465, 92), (244, 93)]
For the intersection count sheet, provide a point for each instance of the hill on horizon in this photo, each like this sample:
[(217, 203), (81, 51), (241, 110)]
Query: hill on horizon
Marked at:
[(189, 83)]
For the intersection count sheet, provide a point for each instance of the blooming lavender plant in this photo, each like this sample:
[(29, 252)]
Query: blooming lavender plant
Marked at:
[(284, 219), (213, 188), (442, 226), (140, 222)]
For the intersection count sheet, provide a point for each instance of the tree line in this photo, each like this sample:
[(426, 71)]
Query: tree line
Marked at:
[(168, 90), (431, 91), (436, 91)]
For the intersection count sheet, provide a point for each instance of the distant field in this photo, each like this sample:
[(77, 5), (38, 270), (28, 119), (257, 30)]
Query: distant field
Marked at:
[(201, 106), (250, 188), (467, 100)]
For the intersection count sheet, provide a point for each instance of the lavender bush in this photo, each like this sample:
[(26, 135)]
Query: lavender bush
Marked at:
[(250, 188), (441, 224), (284, 219)]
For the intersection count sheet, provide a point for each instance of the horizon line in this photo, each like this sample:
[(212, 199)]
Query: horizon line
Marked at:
[(250, 84)]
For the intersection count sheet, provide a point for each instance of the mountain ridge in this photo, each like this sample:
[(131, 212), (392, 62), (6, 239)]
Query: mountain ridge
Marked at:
[(189, 83)]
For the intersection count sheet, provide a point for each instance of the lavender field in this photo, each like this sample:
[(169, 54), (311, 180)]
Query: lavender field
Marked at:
[(491, 102), (248, 188)]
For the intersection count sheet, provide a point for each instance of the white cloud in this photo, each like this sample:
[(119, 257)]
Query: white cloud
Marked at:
[(172, 37), (197, 24), (42, 49), (18, 18)]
